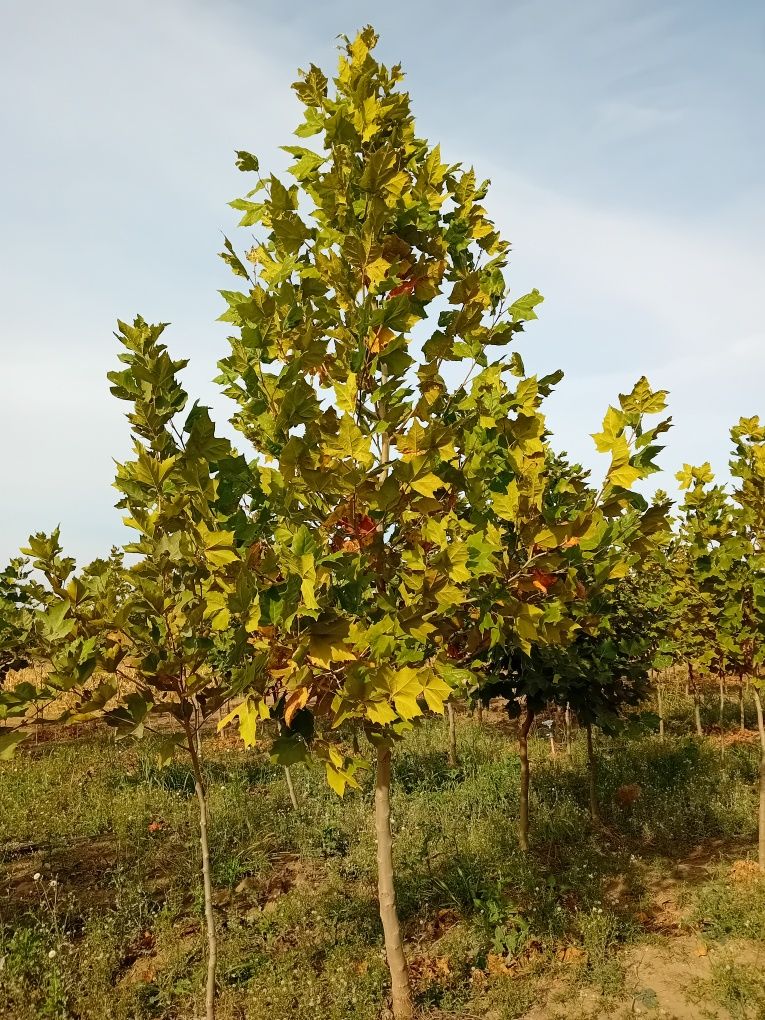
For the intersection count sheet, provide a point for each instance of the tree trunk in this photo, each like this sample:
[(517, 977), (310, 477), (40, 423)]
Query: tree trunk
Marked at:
[(212, 940), (197, 727), (721, 680), (479, 713), (553, 752), (697, 714), (741, 706), (660, 706), (761, 824), (523, 745), (290, 787), (567, 726), (403, 1008), (453, 760), (696, 705), (592, 770)]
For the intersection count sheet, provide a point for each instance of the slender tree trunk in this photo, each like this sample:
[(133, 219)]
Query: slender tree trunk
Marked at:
[(453, 760), (592, 770), (721, 681), (290, 787), (696, 704), (761, 823), (523, 745), (660, 706), (479, 712), (212, 939), (567, 726), (403, 1008), (697, 714), (401, 990), (741, 706), (553, 752)]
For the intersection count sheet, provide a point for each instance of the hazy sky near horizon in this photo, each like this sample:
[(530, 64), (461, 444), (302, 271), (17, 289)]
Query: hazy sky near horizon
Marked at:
[(625, 142)]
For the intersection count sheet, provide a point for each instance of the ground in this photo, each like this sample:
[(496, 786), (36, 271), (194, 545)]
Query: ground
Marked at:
[(660, 911)]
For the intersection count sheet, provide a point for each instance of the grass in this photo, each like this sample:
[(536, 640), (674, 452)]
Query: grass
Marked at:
[(111, 928)]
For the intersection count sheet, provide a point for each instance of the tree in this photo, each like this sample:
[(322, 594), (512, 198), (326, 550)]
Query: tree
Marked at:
[(59, 622), (607, 533), (694, 608), (748, 469), (15, 617), (379, 433), (186, 597)]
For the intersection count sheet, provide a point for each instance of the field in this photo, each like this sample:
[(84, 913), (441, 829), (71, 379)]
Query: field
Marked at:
[(658, 912)]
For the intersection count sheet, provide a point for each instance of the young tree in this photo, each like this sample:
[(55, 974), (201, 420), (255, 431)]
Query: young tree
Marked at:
[(694, 607), (15, 618), (607, 533), (377, 428), (59, 621), (748, 468), (190, 589)]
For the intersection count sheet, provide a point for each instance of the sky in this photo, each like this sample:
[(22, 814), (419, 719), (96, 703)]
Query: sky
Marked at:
[(625, 143)]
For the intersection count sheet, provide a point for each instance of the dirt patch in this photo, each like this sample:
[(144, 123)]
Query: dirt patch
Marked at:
[(256, 893), (73, 870), (654, 893), (670, 980)]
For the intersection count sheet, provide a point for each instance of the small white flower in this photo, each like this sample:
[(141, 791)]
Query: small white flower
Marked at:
[(54, 882), (37, 876), (51, 954)]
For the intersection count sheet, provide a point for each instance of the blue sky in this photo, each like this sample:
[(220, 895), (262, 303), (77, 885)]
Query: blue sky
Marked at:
[(625, 143)]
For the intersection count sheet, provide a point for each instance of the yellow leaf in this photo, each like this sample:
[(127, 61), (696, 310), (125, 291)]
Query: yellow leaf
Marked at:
[(427, 485), (436, 692), (248, 713), (297, 700), (380, 712), (506, 504), (248, 723), (336, 779), (406, 706), (326, 650)]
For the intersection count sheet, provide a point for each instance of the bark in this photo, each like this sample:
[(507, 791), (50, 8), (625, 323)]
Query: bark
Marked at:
[(567, 726), (212, 939), (697, 714), (696, 704), (479, 713), (523, 745), (721, 681), (197, 727), (290, 787), (553, 752), (592, 769), (761, 822), (403, 1008), (741, 712), (453, 760), (660, 706)]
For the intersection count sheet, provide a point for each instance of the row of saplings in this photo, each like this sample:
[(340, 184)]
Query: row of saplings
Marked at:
[(392, 540)]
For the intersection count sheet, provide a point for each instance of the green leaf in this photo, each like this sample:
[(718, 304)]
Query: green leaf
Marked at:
[(9, 741), (523, 308)]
